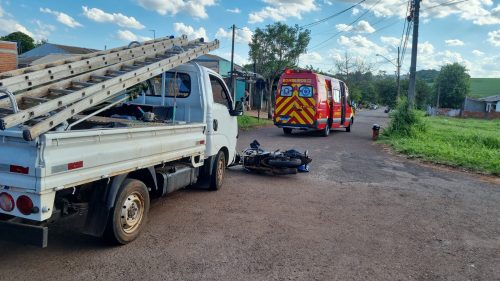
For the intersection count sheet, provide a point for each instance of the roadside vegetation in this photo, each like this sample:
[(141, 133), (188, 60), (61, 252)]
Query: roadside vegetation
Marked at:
[(246, 122), (466, 143)]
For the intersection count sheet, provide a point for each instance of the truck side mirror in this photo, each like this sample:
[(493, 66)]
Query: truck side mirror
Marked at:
[(238, 109)]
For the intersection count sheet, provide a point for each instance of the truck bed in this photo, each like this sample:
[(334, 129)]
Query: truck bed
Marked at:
[(58, 160)]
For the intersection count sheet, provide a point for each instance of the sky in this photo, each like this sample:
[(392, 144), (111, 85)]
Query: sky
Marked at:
[(463, 31)]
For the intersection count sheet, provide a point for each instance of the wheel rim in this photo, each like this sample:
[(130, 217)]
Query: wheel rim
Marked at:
[(220, 169), (132, 212)]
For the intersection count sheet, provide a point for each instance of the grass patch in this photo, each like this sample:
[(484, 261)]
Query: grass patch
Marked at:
[(484, 87), (468, 143), (246, 122)]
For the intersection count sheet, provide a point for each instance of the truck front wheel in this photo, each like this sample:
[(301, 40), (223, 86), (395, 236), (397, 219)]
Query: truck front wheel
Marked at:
[(129, 213), (218, 172)]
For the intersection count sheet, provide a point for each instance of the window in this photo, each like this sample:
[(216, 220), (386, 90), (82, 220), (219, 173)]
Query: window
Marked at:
[(306, 91), (336, 95), (219, 92), (177, 84), (286, 91)]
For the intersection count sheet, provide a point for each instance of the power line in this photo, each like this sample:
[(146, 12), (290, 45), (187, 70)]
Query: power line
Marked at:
[(331, 16), (349, 25)]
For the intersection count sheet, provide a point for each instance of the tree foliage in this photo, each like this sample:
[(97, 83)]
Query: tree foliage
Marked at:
[(24, 41), (452, 85), (275, 48)]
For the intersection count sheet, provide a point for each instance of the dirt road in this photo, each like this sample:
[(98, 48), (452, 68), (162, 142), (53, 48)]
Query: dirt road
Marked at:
[(360, 214)]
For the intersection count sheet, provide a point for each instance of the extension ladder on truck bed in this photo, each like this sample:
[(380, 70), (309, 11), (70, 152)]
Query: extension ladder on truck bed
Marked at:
[(43, 96)]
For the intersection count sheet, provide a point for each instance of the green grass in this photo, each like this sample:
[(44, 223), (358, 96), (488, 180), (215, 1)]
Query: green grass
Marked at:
[(484, 87), (467, 143), (246, 122)]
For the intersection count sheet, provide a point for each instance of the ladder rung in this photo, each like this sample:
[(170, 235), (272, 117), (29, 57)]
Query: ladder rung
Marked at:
[(84, 84), (101, 77), (34, 99), (119, 72), (61, 91)]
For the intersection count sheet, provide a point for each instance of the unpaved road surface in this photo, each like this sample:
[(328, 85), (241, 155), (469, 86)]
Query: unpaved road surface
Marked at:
[(360, 214)]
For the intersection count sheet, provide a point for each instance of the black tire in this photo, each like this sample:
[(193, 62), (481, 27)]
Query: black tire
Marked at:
[(218, 171), (326, 131), (287, 131), (129, 214), (348, 128), (285, 163)]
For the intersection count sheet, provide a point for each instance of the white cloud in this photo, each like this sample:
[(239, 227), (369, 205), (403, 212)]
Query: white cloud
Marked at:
[(478, 53), (8, 24), (238, 59), (494, 38), (234, 11), (128, 35), (243, 35), (62, 18), (195, 8), (360, 27), (391, 41), (279, 10), (313, 58), (328, 2), (42, 31), (454, 42), (355, 11), (425, 48), (181, 28), (99, 15), (360, 45)]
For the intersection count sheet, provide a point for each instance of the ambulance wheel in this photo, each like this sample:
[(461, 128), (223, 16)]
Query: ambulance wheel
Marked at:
[(219, 169), (348, 128), (326, 131), (287, 131), (129, 214)]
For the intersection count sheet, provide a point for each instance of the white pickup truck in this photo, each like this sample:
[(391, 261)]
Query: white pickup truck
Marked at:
[(113, 163)]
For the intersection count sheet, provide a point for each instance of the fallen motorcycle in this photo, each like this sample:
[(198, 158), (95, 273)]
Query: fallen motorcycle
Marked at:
[(279, 162)]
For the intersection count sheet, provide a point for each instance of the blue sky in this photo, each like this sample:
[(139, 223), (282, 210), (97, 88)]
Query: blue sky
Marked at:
[(461, 31)]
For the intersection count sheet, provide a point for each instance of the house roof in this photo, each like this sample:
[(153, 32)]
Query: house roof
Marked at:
[(491, 98), (75, 50)]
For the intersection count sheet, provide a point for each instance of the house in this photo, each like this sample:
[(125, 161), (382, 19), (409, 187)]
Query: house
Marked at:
[(8, 56), (48, 52), (488, 107), (244, 80)]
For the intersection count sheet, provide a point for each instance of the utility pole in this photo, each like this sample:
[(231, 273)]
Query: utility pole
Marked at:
[(399, 75), (154, 33), (231, 85), (413, 67)]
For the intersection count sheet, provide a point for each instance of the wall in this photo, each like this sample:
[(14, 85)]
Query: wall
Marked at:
[(474, 105), (482, 115), (8, 56)]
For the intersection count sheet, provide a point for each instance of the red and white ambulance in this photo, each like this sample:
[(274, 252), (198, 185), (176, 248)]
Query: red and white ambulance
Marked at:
[(310, 101)]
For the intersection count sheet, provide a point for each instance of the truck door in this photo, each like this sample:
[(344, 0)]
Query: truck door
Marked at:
[(329, 98), (342, 102), (222, 127)]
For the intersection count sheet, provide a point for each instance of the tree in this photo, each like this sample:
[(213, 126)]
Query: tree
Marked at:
[(24, 41), (452, 85), (387, 91), (274, 48)]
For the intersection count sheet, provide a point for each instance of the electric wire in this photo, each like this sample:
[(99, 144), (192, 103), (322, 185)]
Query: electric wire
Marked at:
[(331, 16)]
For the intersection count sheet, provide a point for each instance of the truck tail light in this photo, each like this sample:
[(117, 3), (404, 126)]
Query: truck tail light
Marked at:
[(24, 205), (19, 169), (6, 202)]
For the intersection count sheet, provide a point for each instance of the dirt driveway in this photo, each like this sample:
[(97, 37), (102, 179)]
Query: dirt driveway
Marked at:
[(360, 214)]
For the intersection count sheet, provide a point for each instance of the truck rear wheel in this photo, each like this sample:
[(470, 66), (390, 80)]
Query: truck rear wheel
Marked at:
[(348, 128), (287, 131), (129, 213), (218, 172)]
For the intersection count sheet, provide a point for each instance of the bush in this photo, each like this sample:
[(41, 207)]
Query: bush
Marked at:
[(404, 122)]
